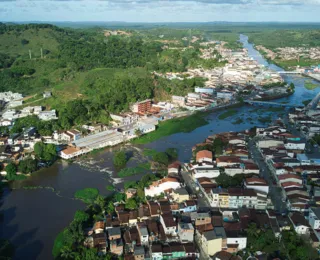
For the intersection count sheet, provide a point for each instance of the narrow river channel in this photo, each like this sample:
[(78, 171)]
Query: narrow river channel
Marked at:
[(32, 218)]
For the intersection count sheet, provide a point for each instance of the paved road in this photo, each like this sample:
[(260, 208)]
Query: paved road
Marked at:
[(192, 188), (275, 192)]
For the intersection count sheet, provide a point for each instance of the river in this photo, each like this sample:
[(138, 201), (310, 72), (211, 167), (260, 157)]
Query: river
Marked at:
[(33, 218)]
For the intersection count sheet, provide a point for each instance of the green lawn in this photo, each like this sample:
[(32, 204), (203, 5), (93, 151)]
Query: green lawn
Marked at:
[(184, 125), (230, 112)]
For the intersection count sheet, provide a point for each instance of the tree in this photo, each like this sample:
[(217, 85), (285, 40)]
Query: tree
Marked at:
[(172, 153), (28, 165), (110, 208), (131, 204), (100, 202), (138, 132), (46, 152), (81, 216), (161, 158), (120, 159), (11, 170), (66, 253), (119, 197), (24, 42)]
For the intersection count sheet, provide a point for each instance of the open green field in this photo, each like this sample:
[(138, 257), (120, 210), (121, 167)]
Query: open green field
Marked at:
[(173, 126)]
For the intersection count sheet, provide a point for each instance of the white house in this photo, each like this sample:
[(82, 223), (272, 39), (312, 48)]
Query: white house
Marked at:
[(158, 187), (206, 172), (257, 184), (71, 152), (267, 143), (295, 145), (185, 232), (314, 218), (301, 225), (48, 115), (240, 241)]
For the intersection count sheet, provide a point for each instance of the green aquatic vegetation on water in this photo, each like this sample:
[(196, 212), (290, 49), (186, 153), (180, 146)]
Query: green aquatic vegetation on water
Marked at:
[(230, 112), (173, 126), (141, 168)]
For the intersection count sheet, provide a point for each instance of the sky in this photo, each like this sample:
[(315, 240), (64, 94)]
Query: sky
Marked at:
[(161, 10)]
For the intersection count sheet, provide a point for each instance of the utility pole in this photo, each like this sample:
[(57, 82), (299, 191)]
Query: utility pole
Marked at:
[(30, 54), (41, 53)]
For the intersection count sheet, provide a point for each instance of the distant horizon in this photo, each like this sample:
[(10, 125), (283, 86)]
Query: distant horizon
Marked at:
[(160, 11)]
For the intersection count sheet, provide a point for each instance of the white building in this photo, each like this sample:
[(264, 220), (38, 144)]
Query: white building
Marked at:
[(314, 218), (169, 224), (158, 187), (257, 184), (295, 145), (205, 172), (240, 241), (48, 115), (180, 101)]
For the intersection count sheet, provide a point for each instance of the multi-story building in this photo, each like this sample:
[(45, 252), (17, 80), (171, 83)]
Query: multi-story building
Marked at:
[(142, 107)]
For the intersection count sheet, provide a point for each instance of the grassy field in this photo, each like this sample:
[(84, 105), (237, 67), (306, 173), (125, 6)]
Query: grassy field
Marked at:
[(230, 112), (10, 42), (184, 125)]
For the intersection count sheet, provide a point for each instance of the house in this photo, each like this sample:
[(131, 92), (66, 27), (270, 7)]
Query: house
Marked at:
[(314, 218), (269, 142), (156, 250), (191, 251), (185, 232), (100, 242), (208, 172), (98, 227), (204, 156), (257, 184), (131, 193), (214, 241), (178, 100), (114, 233), (74, 134), (190, 206), (223, 161), (47, 115), (236, 241), (71, 152), (168, 223), (224, 255), (47, 94), (284, 178), (154, 208), (174, 168), (201, 218), (160, 186), (295, 145), (116, 246), (138, 253), (131, 238), (177, 250), (301, 225), (180, 195), (144, 235)]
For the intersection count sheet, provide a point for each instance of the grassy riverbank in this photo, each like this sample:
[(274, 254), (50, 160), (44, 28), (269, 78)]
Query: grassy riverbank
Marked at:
[(230, 112), (177, 125)]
